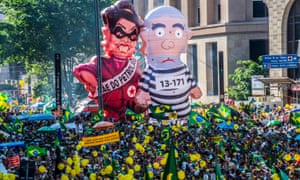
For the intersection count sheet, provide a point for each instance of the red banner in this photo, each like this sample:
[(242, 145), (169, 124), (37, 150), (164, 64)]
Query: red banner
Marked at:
[(13, 161)]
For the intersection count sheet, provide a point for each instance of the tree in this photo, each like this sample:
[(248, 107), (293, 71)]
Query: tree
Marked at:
[(242, 78), (37, 29)]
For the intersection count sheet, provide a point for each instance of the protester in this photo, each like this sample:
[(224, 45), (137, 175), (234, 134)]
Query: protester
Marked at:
[(250, 150)]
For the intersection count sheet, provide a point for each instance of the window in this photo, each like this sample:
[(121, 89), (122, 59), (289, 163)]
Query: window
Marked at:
[(194, 13), (212, 69), (159, 3), (176, 3), (293, 36), (258, 48), (259, 9), (192, 60)]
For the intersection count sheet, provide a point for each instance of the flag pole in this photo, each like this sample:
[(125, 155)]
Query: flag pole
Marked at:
[(98, 53)]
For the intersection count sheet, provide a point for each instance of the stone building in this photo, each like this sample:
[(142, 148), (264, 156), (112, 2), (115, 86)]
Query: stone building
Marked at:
[(225, 31)]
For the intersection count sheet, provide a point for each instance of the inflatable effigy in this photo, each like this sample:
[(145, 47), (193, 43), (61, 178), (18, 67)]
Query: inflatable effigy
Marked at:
[(120, 70), (166, 83)]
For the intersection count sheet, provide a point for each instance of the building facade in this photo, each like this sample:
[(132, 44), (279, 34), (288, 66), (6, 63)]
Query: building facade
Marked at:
[(224, 31)]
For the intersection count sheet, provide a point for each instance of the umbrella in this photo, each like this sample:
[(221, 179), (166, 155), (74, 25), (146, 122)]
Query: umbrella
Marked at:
[(37, 117), (295, 110), (38, 105), (46, 129), (12, 144), (297, 138), (103, 125), (21, 117), (274, 122), (5, 134), (57, 125)]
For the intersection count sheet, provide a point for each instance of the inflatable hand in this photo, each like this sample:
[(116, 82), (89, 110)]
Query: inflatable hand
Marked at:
[(87, 74), (142, 99)]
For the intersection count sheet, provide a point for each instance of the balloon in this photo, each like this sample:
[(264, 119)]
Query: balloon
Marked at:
[(287, 157), (134, 139), (137, 168), (69, 161), (236, 127), (163, 47), (131, 153), (181, 174), (42, 169), (85, 162), (163, 161), (121, 70), (68, 169), (61, 166), (94, 153), (156, 165), (130, 171), (78, 147), (108, 169), (73, 172), (129, 160), (202, 164), (64, 177), (297, 157), (93, 176)]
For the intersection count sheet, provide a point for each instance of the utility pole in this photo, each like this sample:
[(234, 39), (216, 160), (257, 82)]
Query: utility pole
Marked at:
[(98, 53)]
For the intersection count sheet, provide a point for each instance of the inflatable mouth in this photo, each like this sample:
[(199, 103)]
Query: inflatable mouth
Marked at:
[(124, 48), (167, 60)]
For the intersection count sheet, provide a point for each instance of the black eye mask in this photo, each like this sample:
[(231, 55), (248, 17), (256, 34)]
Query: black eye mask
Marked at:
[(120, 33)]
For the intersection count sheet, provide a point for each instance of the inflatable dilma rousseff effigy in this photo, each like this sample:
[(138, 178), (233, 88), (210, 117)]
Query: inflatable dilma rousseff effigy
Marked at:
[(120, 70)]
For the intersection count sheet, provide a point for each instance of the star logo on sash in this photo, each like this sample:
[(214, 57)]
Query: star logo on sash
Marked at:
[(131, 91)]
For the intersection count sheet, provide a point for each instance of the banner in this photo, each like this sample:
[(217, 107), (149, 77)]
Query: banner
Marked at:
[(103, 139), (13, 161)]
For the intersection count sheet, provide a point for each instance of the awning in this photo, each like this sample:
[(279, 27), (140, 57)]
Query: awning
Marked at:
[(278, 80)]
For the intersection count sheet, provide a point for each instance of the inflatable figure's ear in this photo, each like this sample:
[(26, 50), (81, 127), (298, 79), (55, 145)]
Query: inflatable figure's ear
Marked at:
[(144, 39)]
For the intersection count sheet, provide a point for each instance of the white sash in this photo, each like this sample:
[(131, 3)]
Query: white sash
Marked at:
[(122, 78)]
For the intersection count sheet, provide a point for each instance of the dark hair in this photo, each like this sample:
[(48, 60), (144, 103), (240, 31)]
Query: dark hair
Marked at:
[(121, 9)]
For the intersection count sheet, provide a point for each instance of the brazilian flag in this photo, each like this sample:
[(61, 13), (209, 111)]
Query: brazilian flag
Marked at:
[(170, 170), (67, 114), (165, 134), (18, 126), (33, 151), (225, 111), (8, 127), (159, 111), (98, 116), (134, 116), (295, 118)]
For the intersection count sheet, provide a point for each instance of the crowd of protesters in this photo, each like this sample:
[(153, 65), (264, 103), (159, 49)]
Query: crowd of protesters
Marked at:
[(254, 149)]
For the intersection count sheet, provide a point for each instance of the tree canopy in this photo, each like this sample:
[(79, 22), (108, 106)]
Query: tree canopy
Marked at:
[(241, 88), (34, 30)]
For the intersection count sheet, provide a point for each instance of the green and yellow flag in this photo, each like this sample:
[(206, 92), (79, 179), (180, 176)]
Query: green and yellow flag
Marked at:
[(219, 175), (225, 111), (170, 171), (295, 118), (18, 126), (67, 114), (32, 151)]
